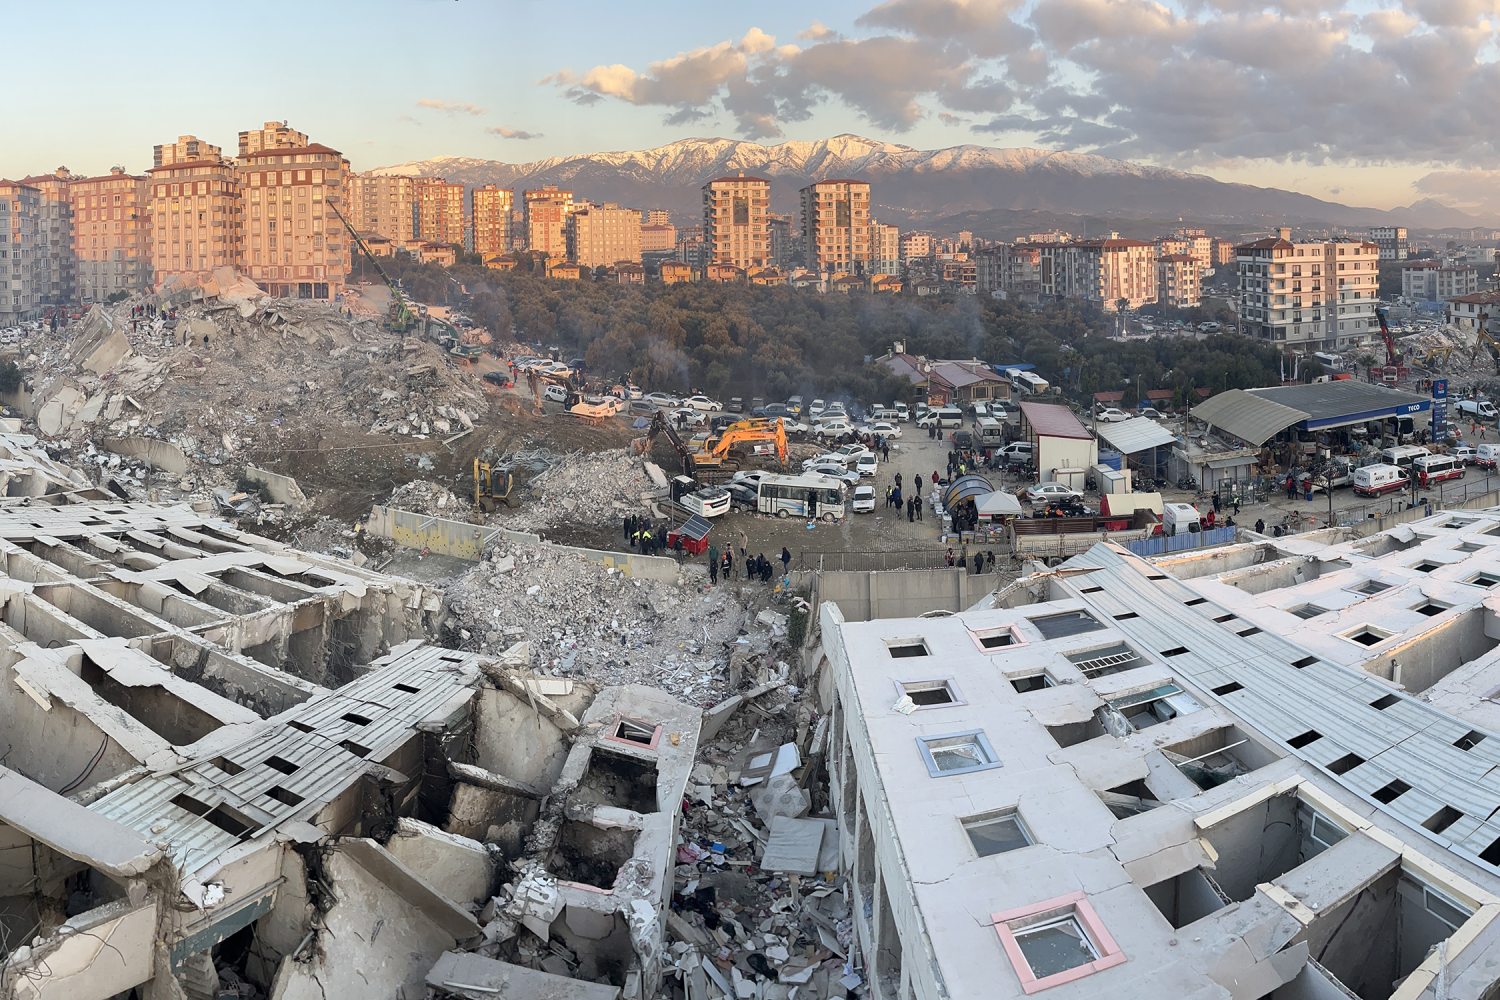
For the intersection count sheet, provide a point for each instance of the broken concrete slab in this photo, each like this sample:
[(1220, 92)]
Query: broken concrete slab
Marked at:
[(280, 488), (779, 796), (474, 977), (794, 846), (411, 889), (458, 867)]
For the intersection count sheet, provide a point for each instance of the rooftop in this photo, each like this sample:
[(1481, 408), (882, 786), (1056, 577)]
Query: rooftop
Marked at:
[(1053, 420)]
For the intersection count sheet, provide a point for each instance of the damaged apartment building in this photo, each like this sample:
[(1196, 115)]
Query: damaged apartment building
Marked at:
[(1266, 771), (233, 769)]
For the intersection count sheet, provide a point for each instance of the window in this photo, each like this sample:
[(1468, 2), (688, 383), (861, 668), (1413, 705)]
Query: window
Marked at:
[(1368, 635), (1105, 661), (930, 694), (997, 833), (958, 753), (1305, 611), (1431, 607), (1065, 624), (1484, 580), (995, 638), (900, 648), (1056, 942), (1372, 587)]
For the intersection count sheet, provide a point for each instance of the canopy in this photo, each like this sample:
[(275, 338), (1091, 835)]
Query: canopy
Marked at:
[(1250, 418), (998, 504), (965, 488), (1134, 435)]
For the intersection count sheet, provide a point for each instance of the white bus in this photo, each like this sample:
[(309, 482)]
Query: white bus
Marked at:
[(809, 496)]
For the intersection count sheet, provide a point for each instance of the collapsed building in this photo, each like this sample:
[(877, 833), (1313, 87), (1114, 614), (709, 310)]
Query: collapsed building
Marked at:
[(1258, 772), (230, 768)]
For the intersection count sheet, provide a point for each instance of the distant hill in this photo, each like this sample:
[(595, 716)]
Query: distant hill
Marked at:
[(993, 188)]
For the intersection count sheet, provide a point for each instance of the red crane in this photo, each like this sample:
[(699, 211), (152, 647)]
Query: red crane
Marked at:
[(1393, 371)]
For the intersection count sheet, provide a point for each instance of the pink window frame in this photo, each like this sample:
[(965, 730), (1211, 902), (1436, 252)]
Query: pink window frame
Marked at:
[(655, 733), (1075, 905)]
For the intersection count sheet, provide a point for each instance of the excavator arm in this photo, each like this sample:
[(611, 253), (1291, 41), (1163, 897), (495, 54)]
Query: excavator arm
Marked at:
[(1392, 357), (752, 432)]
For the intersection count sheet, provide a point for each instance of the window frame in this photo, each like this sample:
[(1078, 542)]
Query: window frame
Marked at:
[(974, 736), (905, 688), (1011, 924), (1010, 815)]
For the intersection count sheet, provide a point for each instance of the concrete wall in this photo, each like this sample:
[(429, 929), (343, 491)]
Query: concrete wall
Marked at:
[(161, 455), (862, 596), (103, 953), (281, 489), (467, 541)]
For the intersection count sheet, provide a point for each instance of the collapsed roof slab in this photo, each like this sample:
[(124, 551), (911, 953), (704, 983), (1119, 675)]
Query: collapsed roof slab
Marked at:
[(72, 830), (474, 977)]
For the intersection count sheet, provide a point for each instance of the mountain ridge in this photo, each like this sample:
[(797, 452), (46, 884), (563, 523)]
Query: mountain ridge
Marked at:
[(920, 186)]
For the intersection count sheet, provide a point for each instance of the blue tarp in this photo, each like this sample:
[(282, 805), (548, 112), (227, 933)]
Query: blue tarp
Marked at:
[(1002, 369)]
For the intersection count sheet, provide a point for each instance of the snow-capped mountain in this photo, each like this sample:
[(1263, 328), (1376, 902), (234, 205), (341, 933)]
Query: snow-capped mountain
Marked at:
[(915, 186)]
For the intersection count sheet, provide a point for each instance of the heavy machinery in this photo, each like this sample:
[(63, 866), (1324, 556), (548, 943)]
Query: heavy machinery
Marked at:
[(492, 486), (1394, 371), (404, 315), (719, 456), (1483, 338), (731, 441)]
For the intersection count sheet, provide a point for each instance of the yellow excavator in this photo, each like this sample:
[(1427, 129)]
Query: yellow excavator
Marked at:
[(1483, 338), (731, 442), (491, 486)]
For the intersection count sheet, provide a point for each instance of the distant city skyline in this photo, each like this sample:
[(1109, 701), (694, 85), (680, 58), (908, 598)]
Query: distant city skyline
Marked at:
[(1201, 85)]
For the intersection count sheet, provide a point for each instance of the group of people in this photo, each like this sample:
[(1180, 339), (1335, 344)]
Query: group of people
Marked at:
[(646, 536), (756, 567), (981, 563)]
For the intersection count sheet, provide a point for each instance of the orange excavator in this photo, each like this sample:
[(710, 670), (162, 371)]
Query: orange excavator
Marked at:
[(734, 438)]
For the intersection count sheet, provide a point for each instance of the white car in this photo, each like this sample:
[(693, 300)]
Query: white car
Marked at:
[(710, 502), (827, 458), (1045, 493), (556, 393), (816, 407), (865, 465), (703, 403), (835, 471), (864, 500), (749, 477), (661, 400), (1113, 415), (1149, 412), (794, 426), (883, 428), (689, 418), (833, 428), (852, 451), (902, 411)]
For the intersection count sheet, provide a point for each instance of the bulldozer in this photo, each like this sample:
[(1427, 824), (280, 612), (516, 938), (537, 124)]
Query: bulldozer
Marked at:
[(492, 486)]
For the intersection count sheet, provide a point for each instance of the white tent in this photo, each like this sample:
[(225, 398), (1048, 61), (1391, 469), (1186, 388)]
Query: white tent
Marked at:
[(997, 504)]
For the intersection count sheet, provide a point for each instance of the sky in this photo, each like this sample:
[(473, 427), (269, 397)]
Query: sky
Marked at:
[(1372, 102)]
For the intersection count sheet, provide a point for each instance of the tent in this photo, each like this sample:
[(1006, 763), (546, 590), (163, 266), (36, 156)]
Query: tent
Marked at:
[(997, 505)]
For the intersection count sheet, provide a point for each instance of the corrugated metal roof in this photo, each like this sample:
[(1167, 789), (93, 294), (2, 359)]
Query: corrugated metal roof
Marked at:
[(1136, 434), (1052, 420), (295, 763), (1344, 399), (1410, 740), (1247, 417)]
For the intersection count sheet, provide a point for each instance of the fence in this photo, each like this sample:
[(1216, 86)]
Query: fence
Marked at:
[(1159, 545), (838, 561)]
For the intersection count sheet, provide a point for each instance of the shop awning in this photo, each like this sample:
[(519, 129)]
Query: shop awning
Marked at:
[(1250, 418)]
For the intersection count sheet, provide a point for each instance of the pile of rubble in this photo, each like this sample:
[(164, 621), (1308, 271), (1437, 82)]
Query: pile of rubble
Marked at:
[(588, 621), (591, 488), (422, 496)]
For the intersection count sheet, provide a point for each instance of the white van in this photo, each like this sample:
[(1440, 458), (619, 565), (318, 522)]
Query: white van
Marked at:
[(989, 432), (1431, 469), (1329, 361), (950, 417), (1483, 409), (884, 413), (1486, 455), (1403, 455), (1373, 480), (902, 412)]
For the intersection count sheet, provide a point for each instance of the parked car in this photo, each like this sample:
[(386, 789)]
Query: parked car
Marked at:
[(1112, 415), (863, 501), (749, 478), (833, 429), (1049, 492), (827, 458), (555, 393), (816, 407), (661, 400), (902, 412), (502, 379), (703, 403), (1017, 453), (928, 419), (1149, 412), (883, 428), (742, 497), (865, 465), (1465, 454), (774, 410), (736, 404), (794, 426), (639, 408), (852, 451), (689, 418), (835, 471)]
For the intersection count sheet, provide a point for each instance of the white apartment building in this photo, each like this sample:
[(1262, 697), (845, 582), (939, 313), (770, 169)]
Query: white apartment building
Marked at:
[(885, 248), (1179, 281), (21, 267), (1313, 294), (1102, 272), (1392, 242), (1433, 281), (604, 235), (1254, 772)]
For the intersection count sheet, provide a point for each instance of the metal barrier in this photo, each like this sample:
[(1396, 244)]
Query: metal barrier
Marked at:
[(1159, 545), (928, 558)]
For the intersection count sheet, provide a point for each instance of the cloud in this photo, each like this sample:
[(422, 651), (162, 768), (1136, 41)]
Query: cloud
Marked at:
[(1474, 191), (512, 133), (450, 107), (1172, 81)]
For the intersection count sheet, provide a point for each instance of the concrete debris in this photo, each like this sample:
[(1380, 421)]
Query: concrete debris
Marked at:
[(582, 488), (422, 496), (585, 620)]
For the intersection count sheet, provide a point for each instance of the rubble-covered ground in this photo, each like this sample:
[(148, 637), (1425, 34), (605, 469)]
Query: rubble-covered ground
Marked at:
[(584, 620), (421, 496), (579, 490)]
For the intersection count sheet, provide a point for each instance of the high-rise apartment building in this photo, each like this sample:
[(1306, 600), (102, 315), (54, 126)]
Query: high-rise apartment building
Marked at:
[(1434, 281), (661, 239), (271, 135), (547, 210), (384, 205), (111, 234), (1009, 272), (885, 248), (194, 208), (293, 244), (1392, 242), (56, 273), (1178, 281), (915, 246), (20, 270), (604, 235), (492, 207), (735, 223), (440, 210), (656, 217), (836, 226), (1105, 272), (1318, 293)]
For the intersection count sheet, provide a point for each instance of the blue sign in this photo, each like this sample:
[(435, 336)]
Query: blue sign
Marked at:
[(1439, 408)]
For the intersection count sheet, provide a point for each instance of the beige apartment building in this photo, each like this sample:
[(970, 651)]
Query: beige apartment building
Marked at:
[(194, 207), (271, 135), (492, 207), (547, 210), (658, 238), (294, 246), (383, 205), (656, 217), (736, 229), (1178, 281), (440, 210), (885, 248), (915, 246), (111, 234), (604, 235), (1105, 272), (56, 273), (836, 226), (20, 270), (1319, 293), (1009, 272)]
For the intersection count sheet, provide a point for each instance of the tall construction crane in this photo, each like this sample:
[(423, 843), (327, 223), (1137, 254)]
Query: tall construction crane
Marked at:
[(1392, 371), (401, 317)]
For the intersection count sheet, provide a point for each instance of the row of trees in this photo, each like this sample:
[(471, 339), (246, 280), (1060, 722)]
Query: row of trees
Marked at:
[(748, 341)]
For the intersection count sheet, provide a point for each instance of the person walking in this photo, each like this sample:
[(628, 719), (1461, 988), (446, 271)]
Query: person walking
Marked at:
[(1260, 526), (786, 560), (728, 564), (989, 559), (713, 565), (936, 478), (948, 557), (911, 510), (916, 485)]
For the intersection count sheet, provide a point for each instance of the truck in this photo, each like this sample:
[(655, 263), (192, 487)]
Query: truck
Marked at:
[(1061, 537)]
